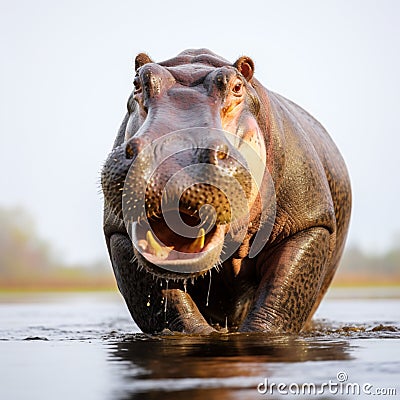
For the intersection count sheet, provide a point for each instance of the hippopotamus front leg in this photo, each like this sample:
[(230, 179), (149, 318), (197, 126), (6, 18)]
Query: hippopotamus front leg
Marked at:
[(182, 314), (292, 275)]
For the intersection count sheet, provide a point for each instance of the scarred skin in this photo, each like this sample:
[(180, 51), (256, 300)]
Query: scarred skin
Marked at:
[(280, 288)]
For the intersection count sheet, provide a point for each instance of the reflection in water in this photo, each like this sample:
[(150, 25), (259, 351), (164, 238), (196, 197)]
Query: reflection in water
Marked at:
[(179, 366), (79, 347)]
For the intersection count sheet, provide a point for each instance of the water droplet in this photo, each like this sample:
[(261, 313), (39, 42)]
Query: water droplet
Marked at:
[(166, 300), (209, 288)]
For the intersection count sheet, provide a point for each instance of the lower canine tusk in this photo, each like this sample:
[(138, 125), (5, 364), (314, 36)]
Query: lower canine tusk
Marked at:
[(154, 247), (198, 243)]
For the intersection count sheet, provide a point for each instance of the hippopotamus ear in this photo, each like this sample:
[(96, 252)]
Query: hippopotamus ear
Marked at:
[(142, 59), (245, 65)]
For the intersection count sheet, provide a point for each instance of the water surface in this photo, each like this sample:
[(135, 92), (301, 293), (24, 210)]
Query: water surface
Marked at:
[(85, 346)]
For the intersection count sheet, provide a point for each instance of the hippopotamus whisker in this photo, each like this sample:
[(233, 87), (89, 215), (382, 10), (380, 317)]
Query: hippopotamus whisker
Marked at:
[(133, 259), (217, 267)]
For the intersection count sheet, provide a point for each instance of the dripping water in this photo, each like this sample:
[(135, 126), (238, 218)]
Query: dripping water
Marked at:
[(166, 299), (209, 288), (185, 285)]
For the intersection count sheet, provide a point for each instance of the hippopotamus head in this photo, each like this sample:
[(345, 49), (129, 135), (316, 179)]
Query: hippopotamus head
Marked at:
[(185, 174)]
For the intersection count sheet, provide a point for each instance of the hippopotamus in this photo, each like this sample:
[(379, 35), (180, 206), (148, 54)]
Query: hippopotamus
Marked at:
[(226, 205)]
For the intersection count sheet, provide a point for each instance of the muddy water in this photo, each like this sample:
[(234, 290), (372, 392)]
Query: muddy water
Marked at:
[(85, 346)]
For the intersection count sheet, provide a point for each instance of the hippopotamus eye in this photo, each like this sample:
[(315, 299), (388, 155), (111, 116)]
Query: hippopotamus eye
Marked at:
[(237, 88)]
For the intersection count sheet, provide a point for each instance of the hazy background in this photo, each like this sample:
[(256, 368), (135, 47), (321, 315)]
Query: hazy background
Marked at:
[(67, 68)]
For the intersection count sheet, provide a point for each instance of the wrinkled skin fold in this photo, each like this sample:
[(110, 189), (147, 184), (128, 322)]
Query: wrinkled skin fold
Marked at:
[(202, 291)]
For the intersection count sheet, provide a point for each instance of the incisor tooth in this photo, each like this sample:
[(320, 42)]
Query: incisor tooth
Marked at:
[(198, 243)]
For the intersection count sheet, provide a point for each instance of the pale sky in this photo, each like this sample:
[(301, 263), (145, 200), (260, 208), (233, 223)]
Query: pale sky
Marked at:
[(67, 69)]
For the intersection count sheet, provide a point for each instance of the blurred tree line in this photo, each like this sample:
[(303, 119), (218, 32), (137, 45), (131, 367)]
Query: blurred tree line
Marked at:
[(29, 262), (359, 267)]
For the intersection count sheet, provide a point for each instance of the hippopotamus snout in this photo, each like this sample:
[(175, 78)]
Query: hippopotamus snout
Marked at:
[(195, 165)]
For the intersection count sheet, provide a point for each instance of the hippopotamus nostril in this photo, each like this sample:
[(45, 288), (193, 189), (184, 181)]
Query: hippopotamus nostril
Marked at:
[(132, 149), (214, 154), (221, 80), (129, 151)]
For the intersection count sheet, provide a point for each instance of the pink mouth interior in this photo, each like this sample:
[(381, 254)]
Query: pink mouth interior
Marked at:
[(174, 246)]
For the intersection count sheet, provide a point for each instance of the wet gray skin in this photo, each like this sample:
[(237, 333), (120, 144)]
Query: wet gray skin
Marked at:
[(225, 204)]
